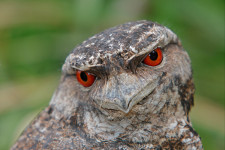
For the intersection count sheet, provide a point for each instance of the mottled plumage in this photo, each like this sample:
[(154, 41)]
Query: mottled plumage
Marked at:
[(130, 105)]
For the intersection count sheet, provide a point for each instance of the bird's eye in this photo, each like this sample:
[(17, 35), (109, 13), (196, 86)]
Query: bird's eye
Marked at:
[(154, 58), (84, 78)]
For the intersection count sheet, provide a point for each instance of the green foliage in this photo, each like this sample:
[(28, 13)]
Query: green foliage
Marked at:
[(36, 36)]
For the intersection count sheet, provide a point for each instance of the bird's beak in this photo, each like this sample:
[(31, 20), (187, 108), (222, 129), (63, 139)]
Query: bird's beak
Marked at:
[(124, 93)]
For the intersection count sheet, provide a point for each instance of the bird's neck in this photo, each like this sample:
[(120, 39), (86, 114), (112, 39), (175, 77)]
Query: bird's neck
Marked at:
[(132, 127)]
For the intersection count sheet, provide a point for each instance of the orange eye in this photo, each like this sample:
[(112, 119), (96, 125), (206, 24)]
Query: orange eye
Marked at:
[(86, 79), (154, 58)]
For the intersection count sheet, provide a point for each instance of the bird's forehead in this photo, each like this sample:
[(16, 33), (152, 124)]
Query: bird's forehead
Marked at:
[(121, 42)]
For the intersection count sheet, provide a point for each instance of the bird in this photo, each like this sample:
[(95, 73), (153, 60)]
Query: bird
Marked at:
[(128, 87)]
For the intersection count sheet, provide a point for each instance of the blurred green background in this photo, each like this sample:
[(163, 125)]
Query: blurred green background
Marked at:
[(36, 37)]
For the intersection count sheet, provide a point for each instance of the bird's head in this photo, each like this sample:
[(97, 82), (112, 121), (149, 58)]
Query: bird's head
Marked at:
[(138, 67)]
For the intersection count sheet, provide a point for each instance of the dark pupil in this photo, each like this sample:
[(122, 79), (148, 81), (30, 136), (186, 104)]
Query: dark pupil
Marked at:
[(83, 76), (153, 55)]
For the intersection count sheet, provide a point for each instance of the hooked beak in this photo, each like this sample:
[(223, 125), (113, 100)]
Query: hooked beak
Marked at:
[(126, 102)]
